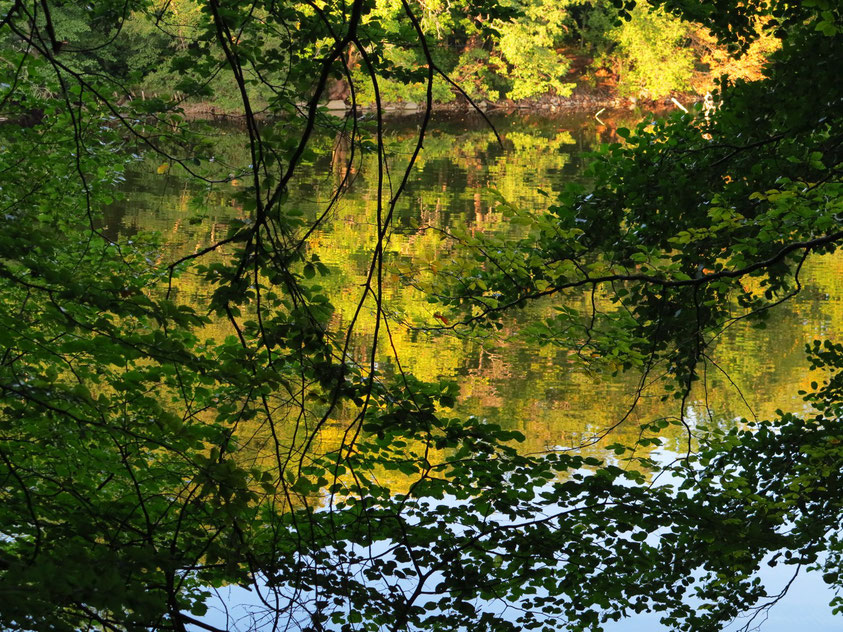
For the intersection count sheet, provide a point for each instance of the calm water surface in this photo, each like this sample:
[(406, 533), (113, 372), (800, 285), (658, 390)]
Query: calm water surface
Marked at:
[(543, 392)]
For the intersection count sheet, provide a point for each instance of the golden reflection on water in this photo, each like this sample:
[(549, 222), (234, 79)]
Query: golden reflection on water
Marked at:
[(544, 392)]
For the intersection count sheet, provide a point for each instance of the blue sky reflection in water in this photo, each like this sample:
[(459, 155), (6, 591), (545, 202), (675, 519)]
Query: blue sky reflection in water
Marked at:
[(804, 607)]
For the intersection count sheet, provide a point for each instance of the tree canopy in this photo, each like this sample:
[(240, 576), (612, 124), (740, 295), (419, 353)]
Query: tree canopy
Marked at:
[(145, 462), (505, 52)]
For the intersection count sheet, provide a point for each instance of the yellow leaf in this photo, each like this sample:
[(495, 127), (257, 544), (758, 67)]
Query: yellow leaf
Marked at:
[(162, 168)]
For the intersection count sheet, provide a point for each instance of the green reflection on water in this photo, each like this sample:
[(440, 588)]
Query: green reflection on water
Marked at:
[(543, 391)]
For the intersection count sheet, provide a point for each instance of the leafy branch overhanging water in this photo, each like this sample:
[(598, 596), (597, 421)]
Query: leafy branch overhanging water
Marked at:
[(133, 479)]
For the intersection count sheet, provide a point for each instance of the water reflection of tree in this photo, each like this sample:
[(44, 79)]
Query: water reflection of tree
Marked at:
[(545, 394)]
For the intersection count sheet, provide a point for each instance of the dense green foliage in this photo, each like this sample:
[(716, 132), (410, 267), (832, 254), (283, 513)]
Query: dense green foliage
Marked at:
[(145, 463), (520, 50)]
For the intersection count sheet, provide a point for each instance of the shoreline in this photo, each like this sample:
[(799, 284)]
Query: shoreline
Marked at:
[(582, 102)]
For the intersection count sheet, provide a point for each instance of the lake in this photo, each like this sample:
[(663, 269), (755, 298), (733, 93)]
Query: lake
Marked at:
[(545, 391)]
